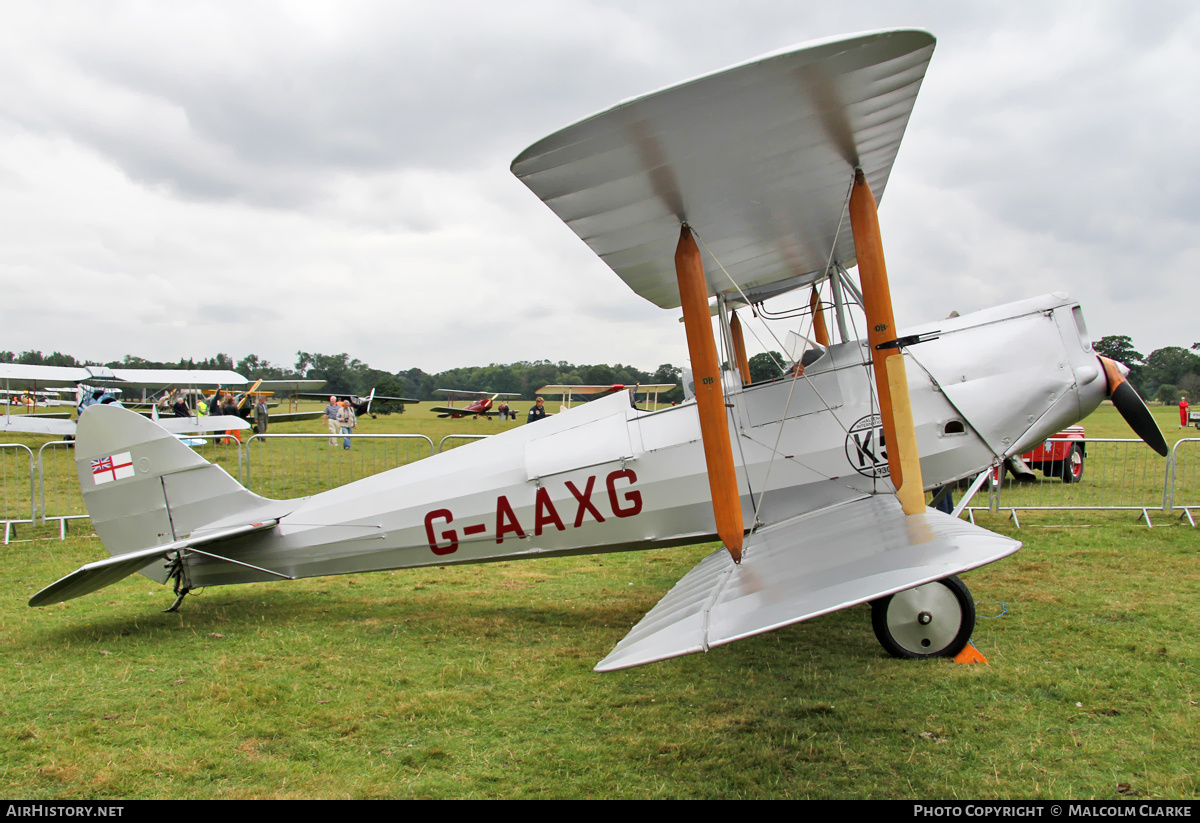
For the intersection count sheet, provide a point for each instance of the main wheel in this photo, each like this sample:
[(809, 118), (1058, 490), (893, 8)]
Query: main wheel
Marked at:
[(1071, 469), (934, 620)]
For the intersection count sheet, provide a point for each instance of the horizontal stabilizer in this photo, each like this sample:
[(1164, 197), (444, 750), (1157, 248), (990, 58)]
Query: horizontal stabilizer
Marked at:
[(95, 576), (804, 567)]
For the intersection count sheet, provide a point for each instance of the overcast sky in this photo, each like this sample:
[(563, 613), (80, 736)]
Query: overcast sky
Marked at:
[(178, 179)]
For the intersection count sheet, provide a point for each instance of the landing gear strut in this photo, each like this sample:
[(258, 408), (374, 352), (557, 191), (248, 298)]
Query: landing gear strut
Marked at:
[(934, 620), (178, 573)]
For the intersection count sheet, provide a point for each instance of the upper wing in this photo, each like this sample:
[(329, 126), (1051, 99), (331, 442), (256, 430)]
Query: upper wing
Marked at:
[(21, 376), (158, 378), (757, 159), (292, 386), (457, 392), (806, 566)]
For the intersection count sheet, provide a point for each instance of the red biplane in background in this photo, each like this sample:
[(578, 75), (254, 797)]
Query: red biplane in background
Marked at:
[(476, 408)]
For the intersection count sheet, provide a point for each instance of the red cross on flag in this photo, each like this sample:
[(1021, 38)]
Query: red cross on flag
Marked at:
[(114, 467)]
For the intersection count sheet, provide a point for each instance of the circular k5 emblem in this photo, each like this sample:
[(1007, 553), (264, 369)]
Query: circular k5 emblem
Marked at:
[(865, 448)]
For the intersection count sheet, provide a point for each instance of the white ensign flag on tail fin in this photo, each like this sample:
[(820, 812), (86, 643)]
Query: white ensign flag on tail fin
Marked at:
[(115, 467)]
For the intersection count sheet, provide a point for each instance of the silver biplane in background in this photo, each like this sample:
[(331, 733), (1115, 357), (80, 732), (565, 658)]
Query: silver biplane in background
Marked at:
[(814, 483), (362, 405), (649, 391), (102, 385)]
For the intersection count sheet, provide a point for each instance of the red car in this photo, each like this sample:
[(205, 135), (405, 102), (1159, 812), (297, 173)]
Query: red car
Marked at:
[(1061, 456)]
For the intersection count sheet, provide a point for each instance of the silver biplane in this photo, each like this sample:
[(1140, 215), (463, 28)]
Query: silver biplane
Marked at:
[(814, 484), (103, 381)]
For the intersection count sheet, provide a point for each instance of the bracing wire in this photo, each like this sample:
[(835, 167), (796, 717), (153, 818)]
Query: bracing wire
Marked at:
[(795, 376)]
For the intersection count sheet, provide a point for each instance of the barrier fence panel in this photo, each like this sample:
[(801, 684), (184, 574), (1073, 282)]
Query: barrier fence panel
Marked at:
[(297, 465), (1114, 475), (1183, 492), (58, 494), (16, 486), (465, 438)]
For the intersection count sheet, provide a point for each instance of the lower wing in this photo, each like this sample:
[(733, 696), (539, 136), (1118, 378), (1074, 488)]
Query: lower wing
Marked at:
[(803, 567)]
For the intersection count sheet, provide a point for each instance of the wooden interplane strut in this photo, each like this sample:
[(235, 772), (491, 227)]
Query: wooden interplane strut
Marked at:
[(820, 332), (891, 380), (739, 349), (710, 395)]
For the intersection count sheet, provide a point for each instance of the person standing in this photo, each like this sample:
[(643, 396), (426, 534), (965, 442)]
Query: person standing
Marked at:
[(331, 419), (538, 411), (260, 415), (347, 420)]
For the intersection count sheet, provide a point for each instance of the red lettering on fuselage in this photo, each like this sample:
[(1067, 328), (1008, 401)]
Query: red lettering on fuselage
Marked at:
[(623, 503), (451, 535), (585, 503), (634, 498), (544, 512), (506, 520)]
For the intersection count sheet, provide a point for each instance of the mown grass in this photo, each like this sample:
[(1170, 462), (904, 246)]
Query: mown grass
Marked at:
[(476, 682)]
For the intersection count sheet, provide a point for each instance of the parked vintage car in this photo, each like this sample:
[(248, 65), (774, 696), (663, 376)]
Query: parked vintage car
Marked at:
[(1061, 456)]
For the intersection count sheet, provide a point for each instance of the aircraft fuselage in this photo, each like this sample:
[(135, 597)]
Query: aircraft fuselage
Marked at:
[(606, 476)]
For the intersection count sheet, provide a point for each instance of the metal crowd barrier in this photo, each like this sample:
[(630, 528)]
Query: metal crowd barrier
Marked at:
[(466, 438), (16, 473), (1118, 475), (298, 465), (1183, 490), (58, 484)]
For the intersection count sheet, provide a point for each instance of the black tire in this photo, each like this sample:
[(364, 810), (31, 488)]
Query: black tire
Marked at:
[(934, 620), (1071, 469)]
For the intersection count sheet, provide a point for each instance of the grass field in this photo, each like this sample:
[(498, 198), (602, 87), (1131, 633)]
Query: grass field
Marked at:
[(476, 681)]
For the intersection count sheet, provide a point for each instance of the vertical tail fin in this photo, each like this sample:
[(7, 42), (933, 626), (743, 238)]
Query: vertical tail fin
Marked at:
[(145, 488)]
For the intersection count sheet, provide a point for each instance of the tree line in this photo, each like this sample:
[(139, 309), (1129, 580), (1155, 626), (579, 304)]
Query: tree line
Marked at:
[(1164, 375), (346, 375)]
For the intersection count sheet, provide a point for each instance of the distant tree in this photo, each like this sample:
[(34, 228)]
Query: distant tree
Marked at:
[(1118, 347), (60, 359), (1167, 366), (341, 374), (388, 386), (599, 375), (36, 358), (1167, 394), (1190, 385), (253, 366), (765, 366)]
